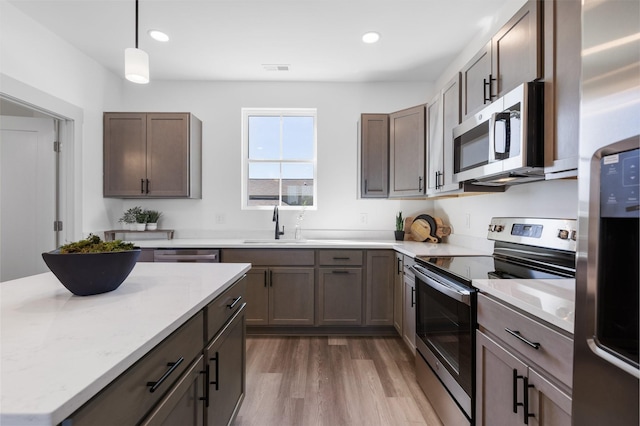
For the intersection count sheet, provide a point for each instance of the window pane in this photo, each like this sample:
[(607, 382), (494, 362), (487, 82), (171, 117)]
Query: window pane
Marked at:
[(263, 186), (297, 184), (264, 138), (297, 138)]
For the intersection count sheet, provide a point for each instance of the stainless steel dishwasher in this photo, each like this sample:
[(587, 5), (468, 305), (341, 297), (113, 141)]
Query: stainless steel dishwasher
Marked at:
[(187, 255)]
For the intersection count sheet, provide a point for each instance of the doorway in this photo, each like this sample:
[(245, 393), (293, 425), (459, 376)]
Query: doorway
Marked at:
[(29, 190)]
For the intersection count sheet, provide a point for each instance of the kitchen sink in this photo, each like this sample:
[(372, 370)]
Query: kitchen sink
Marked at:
[(274, 241)]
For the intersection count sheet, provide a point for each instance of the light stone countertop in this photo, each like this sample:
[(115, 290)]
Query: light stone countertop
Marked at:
[(58, 350), (552, 300), (409, 248)]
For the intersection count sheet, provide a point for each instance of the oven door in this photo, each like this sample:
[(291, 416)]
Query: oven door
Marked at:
[(445, 327)]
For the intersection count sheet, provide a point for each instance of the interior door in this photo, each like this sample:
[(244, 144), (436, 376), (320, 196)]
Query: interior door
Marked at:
[(28, 194)]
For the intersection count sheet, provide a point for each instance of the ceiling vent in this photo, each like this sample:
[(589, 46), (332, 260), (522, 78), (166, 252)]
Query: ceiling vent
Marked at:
[(276, 67)]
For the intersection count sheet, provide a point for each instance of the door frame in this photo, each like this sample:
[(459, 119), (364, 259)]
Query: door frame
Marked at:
[(70, 119)]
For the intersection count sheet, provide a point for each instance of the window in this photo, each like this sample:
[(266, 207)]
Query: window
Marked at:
[(279, 158)]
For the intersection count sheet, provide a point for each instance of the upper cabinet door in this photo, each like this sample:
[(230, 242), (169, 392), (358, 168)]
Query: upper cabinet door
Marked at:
[(477, 82), (435, 143), (168, 155), (451, 117), (517, 49), (374, 173), (407, 152), (125, 166)]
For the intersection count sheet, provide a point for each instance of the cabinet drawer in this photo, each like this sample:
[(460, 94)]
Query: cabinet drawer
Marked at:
[(223, 307), (270, 257), (340, 257), (555, 350), (128, 398)]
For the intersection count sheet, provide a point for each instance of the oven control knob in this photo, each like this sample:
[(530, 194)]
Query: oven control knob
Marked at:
[(499, 228), (563, 234), (491, 228)]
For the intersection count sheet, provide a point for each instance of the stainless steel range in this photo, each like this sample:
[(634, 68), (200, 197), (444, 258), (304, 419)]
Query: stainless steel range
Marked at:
[(525, 248)]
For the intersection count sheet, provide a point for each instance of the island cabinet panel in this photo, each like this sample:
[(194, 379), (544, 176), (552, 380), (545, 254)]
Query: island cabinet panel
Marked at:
[(149, 155), (407, 142), (374, 131), (226, 371), (379, 287), (129, 398), (184, 404)]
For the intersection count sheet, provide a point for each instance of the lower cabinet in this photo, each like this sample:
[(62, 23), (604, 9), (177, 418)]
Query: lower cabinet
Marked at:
[(523, 369), (398, 286), (409, 305), (379, 291), (291, 296), (511, 392), (340, 296)]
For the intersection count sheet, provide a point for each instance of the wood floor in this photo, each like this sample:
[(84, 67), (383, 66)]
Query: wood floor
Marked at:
[(332, 381)]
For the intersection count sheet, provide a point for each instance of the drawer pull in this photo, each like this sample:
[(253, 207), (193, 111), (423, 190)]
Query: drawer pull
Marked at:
[(173, 366), (215, 382), (234, 303), (518, 336), (341, 258), (339, 272)]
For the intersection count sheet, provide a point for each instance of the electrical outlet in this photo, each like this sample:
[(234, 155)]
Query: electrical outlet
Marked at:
[(467, 221), (363, 218), (219, 218)]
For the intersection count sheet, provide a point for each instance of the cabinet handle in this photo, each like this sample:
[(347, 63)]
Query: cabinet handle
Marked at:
[(419, 183), (490, 85), (516, 404), (235, 301), (341, 258), (399, 266), (265, 278), (142, 186), (215, 358), (173, 366), (518, 336), (366, 186), (147, 186), (205, 398), (339, 272), (270, 278), (413, 301), (525, 388)]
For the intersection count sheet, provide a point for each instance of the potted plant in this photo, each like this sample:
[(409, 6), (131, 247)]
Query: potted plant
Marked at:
[(141, 220), (152, 219), (399, 227), (129, 218)]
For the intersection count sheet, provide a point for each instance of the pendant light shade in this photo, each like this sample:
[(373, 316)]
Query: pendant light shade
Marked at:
[(136, 61), (136, 65)]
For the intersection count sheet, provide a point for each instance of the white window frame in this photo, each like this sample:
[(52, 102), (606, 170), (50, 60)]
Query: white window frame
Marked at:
[(277, 112)]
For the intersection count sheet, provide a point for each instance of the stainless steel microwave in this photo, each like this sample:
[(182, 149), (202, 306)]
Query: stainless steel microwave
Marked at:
[(504, 143)]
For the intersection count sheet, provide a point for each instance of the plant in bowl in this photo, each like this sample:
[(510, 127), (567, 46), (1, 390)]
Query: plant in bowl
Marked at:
[(399, 232), (141, 220), (152, 219), (92, 266)]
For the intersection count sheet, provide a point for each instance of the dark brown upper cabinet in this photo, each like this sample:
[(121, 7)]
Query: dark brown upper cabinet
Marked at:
[(374, 175), (407, 145), (152, 155), (513, 56)]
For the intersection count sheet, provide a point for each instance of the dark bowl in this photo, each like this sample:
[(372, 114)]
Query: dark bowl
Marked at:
[(84, 274)]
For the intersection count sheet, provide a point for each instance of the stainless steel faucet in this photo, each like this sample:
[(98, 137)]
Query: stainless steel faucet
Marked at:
[(276, 219)]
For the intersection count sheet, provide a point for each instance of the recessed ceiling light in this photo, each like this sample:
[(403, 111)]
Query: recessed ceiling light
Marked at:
[(158, 35), (371, 37)]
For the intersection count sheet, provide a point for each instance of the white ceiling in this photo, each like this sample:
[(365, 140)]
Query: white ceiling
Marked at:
[(231, 39)]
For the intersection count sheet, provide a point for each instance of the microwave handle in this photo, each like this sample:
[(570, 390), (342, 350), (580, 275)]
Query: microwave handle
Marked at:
[(499, 136)]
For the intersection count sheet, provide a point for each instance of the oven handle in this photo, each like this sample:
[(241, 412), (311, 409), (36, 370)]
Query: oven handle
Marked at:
[(460, 295)]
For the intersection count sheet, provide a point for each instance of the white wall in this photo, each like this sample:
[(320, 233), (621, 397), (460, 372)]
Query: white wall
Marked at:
[(218, 105)]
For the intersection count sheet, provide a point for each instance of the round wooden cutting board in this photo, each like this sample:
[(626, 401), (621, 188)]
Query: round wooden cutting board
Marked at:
[(421, 230)]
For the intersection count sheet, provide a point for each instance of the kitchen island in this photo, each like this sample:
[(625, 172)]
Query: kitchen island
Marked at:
[(59, 350)]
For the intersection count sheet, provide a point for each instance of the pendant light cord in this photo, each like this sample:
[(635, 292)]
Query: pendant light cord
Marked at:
[(136, 24)]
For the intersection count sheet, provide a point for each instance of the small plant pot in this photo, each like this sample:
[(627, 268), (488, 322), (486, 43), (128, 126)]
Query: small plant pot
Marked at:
[(399, 235), (152, 226), (140, 226)]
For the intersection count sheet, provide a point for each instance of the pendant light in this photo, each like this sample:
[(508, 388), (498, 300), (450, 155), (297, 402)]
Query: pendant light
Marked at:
[(136, 61)]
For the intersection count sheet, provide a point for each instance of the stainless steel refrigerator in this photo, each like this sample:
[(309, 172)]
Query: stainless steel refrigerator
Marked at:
[(605, 382)]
